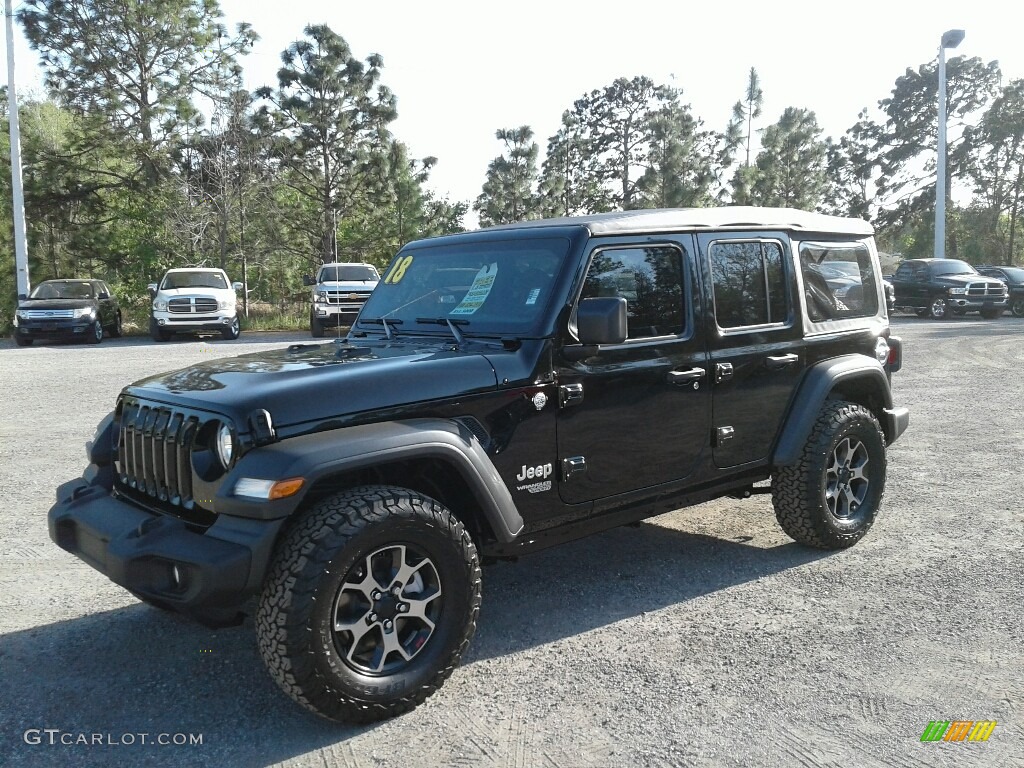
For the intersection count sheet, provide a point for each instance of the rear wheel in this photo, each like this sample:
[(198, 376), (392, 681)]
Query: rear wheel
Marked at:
[(830, 497), (115, 330), (369, 603), (1017, 307)]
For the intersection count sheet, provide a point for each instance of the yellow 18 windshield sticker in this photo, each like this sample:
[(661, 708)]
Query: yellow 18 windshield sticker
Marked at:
[(478, 291), (397, 271)]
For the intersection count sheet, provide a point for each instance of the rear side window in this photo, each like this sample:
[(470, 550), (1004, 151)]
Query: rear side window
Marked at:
[(649, 279), (749, 281), (839, 281)]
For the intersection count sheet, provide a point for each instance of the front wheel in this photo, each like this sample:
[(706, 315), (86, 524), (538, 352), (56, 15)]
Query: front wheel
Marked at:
[(21, 341), (156, 332), (94, 333), (830, 497), (232, 330), (369, 603), (316, 328), (992, 314)]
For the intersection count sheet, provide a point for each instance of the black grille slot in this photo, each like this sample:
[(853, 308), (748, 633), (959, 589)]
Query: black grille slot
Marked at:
[(205, 304), (179, 305), (154, 452)]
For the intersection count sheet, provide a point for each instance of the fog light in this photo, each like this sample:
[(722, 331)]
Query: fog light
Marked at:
[(161, 321)]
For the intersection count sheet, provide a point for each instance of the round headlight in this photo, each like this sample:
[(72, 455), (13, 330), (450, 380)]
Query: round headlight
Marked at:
[(225, 445)]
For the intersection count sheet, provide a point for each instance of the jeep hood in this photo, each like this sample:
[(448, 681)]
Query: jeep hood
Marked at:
[(316, 382)]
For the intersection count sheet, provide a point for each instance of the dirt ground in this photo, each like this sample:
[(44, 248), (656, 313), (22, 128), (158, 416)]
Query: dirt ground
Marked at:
[(703, 637)]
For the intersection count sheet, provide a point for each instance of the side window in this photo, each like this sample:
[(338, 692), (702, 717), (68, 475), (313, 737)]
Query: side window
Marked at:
[(749, 283), (649, 279), (839, 280), (904, 272)]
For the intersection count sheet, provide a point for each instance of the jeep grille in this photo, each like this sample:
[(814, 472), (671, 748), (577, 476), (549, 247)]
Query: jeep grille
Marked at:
[(154, 456)]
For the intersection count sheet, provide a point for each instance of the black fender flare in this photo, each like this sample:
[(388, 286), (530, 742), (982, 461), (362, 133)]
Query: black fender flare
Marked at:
[(321, 454), (819, 382)]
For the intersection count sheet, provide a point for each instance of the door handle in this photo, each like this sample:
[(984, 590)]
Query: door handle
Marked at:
[(774, 362), (685, 377)]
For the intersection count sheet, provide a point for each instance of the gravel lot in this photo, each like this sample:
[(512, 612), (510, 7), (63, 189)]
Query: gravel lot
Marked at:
[(704, 637)]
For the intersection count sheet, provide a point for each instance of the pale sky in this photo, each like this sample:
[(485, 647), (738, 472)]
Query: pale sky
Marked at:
[(461, 69)]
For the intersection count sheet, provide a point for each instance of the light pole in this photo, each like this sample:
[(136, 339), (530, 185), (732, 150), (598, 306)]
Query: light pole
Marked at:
[(18, 211), (950, 39)]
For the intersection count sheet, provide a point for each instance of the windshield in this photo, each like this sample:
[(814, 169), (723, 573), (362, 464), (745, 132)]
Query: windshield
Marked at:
[(348, 273), (193, 280), (1015, 274), (952, 267), (496, 287), (63, 289)]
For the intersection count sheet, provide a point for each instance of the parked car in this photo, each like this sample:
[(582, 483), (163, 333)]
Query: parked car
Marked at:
[(67, 309), (503, 390), (194, 300), (941, 287), (339, 292), (1013, 277)]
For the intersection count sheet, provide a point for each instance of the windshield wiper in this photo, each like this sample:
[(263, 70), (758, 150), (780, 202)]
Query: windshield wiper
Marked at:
[(382, 321), (453, 324)]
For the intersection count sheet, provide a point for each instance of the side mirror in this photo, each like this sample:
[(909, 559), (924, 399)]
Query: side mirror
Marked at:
[(602, 320), (152, 290), (22, 296), (308, 280), (104, 295), (236, 286)]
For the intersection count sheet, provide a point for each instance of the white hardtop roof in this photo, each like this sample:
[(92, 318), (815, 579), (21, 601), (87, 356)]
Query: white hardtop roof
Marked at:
[(736, 217)]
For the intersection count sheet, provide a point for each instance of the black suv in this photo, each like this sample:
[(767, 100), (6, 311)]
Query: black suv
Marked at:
[(67, 309), (939, 288), (501, 391), (1013, 277)]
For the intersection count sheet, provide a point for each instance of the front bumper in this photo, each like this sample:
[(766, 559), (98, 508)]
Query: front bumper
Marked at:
[(54, 329), (973, 305), (205, 574), (212, 321), (331, 314)]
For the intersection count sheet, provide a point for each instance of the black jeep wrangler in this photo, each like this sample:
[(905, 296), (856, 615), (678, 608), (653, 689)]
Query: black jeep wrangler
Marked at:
[(501, 391)]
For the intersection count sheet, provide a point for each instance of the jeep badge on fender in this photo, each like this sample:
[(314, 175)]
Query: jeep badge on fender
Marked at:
[(355, 487)]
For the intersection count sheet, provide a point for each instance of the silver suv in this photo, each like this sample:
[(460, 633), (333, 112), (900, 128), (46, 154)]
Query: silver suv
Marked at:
[(339, 292)]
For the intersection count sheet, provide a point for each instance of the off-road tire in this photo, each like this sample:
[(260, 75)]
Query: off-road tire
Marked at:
[(299, 605), (799, 491)]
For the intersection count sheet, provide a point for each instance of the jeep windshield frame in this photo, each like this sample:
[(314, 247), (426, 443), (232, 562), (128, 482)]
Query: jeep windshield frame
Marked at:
[(504, 286)]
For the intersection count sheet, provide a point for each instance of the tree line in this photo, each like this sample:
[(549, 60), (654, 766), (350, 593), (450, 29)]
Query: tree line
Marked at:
[(149, 153)]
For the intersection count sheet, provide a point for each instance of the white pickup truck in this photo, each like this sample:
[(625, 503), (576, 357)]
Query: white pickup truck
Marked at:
[(194, 300)]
